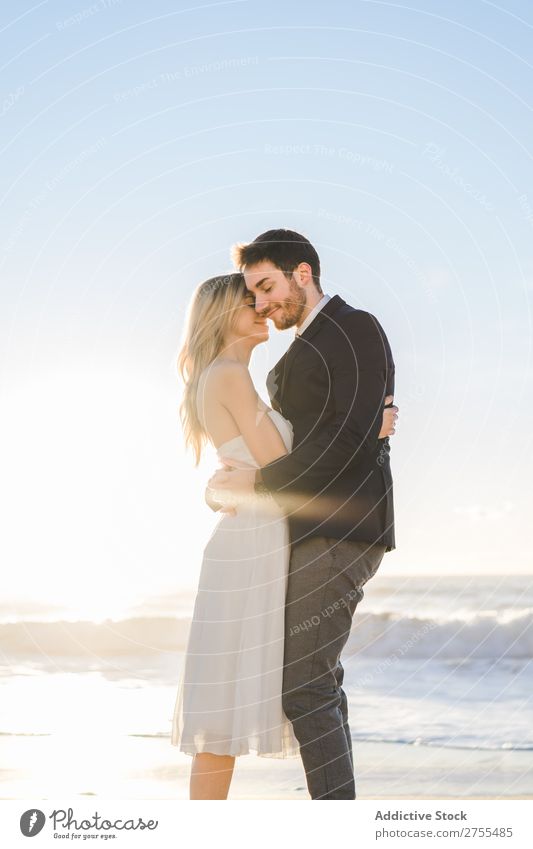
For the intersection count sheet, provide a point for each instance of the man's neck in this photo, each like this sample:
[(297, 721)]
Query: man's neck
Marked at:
[(313, 298)]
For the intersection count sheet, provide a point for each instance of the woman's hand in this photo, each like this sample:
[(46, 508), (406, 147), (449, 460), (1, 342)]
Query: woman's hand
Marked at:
[(390, 414)]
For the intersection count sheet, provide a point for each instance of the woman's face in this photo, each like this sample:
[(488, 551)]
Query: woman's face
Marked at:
[(248, 324)]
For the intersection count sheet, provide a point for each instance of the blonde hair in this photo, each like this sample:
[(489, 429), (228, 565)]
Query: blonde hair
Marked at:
[(210, 317)]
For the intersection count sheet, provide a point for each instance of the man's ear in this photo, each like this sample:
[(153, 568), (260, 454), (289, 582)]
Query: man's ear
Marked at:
[(303, 274)]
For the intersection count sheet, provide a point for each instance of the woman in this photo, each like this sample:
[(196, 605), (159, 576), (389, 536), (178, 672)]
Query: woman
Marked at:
[(229, 699)]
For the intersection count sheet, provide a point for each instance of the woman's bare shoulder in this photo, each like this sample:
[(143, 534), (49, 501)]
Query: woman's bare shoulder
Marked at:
[(222, 374)]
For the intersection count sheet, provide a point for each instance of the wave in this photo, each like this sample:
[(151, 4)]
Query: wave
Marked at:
[(486, 635), (439, 741), (489, 634), (138, 636)]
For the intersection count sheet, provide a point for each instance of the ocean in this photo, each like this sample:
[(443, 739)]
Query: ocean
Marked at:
[(431, 661)]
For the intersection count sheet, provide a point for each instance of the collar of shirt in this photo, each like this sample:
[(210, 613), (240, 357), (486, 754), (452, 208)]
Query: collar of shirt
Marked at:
[(316, 309)]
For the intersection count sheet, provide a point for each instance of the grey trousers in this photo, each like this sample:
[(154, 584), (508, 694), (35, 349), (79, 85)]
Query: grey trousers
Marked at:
[(326, 579)]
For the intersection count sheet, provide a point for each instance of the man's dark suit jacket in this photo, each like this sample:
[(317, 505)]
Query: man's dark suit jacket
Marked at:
[(331, 385)]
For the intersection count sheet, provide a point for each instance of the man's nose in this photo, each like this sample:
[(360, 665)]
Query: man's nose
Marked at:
[(260, 305)]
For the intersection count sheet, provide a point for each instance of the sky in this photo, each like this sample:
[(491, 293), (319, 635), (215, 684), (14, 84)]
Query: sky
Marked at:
[(138, 143)]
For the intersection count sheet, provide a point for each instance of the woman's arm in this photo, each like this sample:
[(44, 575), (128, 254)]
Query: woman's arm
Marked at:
[(235, 391)]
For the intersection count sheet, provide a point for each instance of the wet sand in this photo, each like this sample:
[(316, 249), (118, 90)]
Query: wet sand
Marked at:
[(142, 767)]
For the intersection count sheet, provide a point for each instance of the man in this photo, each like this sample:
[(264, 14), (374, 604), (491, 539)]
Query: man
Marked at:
[(335, 486)]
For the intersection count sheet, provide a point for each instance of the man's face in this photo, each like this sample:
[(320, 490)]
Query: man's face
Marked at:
[(281, 300)]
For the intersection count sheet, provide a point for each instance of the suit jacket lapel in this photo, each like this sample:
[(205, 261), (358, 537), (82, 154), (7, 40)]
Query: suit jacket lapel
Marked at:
[(273, 384), (293, 351), (277, 378), (301, 343)]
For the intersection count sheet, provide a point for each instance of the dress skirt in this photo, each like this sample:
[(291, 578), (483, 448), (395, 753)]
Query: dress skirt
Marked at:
[(229, 695)]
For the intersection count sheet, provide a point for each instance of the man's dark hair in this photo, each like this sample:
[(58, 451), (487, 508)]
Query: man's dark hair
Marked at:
[(284, 248)]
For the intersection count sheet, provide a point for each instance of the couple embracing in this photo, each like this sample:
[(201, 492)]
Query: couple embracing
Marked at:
[(306, 515)]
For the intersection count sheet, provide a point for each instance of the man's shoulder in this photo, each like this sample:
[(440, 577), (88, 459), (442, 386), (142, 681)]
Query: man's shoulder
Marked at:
[(348, 317), (351, 328)]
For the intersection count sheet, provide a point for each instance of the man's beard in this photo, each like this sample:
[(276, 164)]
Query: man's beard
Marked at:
[(292, 308)]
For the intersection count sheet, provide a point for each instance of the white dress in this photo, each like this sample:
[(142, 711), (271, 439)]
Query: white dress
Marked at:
[(229, 696)]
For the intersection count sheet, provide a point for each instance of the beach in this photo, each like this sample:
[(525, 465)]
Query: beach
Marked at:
[(438, 674), (149, 768)]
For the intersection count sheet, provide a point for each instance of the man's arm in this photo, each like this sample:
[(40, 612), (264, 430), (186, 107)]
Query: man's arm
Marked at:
[(360, 380), (388, 428)]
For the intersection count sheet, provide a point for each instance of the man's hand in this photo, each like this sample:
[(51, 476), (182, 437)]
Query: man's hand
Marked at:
[(238, 482), (210, 501), (390, 414), (214, 505)]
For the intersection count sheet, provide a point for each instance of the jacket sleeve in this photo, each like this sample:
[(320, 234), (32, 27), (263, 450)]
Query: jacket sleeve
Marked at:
[(361, 371)]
